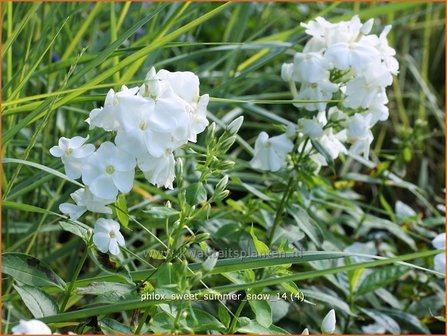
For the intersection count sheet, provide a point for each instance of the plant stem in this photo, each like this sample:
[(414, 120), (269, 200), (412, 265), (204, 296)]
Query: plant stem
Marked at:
[(236, 317), (279, 210), (73, 281), (140, 325)]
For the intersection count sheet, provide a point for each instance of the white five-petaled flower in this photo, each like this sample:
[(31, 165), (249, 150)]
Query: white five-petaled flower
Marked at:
[(107, 236), (320, 92), (270, 154), (311, 67), (115, 105), (328, 324), (152, 128), (332, 144), (31, 327), (73, 153), (364, 89), (313, 127), (439, 243), (159, 171), (185, 86), (108, 171), (85, 200), (358, 133)]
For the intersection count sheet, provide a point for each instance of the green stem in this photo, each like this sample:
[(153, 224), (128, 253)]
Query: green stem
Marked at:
[(140, 324), (73, 281), (280, 210), (236, 317)]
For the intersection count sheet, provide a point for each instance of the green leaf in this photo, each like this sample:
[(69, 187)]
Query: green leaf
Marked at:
[(78, 229), (407, 320), (43, 168), (383, 319), (29, 270), (121, 210), (331, 300), (97, 288), (263, 312), (381, 278), (201, 321), (224, 316), (111, 326), (162, 323), (195, 193), (162, 212), (307, 224), (261, 248), (27, 208), (253, 327), (37, 301)]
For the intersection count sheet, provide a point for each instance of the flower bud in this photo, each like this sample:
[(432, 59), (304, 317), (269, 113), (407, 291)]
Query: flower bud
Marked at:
[(222, 184), (287, 72), (235, 125), (227, 143), (305, 332), (201, 237), (210, 262), (367, 26), (152, 85), (328, 324)]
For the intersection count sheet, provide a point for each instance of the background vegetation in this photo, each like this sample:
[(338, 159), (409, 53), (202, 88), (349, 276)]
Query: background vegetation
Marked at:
[(59, 59)]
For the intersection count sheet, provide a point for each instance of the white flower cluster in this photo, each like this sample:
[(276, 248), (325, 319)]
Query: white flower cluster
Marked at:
[(342, 62), (150, 123)]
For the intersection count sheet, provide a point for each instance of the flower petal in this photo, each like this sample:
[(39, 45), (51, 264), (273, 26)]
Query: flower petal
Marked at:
[(104, 187)]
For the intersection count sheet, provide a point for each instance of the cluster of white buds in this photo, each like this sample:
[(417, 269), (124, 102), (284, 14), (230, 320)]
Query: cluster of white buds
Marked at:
[(345, 65), (150, 122)]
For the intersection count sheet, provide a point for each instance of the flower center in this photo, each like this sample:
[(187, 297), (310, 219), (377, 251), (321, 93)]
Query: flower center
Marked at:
[(110, 169), (143, 125), (112, 234), (68, 151)]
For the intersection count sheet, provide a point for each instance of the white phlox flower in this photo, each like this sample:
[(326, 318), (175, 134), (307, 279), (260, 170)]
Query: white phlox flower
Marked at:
[(332, 144), (159, 171), (115, 105), (31, 327), (150, 123), (185, 85), (146, 131), (85, 200), (270, 154), (353, 54), (312, 91), (313, 127), (439, 243), (359, 134), (107, 236), (362, 90), (311, 67), (72, 153), (343, 63), (108, 171)]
